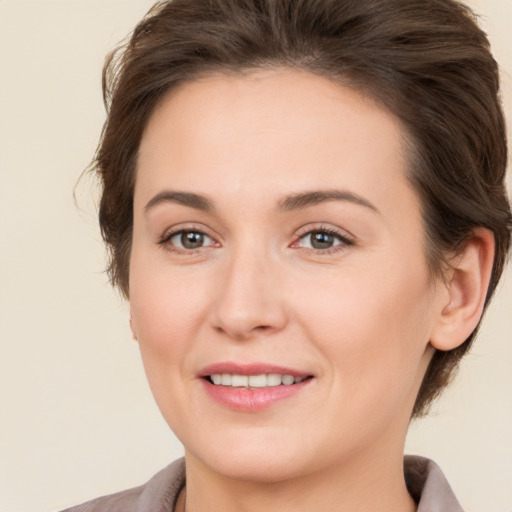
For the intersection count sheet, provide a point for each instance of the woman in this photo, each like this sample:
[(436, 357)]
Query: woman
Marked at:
[(304, 203)]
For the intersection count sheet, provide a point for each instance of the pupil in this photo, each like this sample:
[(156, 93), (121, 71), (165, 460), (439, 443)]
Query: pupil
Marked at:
[(192, 240), (321, 240)]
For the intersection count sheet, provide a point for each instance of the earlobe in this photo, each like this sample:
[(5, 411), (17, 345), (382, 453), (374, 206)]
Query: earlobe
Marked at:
[(467, 287)]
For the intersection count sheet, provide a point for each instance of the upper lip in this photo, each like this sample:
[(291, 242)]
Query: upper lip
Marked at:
[(250, 369)]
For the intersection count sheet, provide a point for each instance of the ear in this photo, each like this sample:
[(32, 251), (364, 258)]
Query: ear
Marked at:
[(466, 282)]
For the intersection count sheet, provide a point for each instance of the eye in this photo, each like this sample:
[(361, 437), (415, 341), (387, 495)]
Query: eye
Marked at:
[(320, 240), (188, 239), (323, 240)]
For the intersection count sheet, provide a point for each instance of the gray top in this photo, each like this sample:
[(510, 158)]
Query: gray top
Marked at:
[(425, 481)]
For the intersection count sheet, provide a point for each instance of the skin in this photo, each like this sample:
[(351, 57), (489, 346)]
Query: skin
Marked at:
[(360, 317)]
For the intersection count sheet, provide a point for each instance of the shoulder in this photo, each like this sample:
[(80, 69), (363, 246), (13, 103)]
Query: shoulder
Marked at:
[(159, 494), (428, 486)]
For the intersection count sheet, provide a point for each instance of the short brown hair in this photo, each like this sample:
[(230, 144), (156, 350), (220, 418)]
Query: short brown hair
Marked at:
[(427, 61)]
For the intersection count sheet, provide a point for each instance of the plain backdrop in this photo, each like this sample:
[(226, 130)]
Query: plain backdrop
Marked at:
[(76, 416)]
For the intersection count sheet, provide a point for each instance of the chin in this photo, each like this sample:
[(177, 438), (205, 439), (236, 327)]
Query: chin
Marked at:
[(263, 469), (260, 459)]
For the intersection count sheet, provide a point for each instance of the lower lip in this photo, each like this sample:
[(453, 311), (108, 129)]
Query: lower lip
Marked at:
[(252, 399)]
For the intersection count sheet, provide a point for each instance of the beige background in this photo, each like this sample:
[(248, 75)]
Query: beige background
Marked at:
[(76, 417)]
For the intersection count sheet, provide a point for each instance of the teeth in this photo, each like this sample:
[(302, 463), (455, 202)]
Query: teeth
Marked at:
[(274, 379), (225, 379), (254, 381), (257, 381), (239, 381), (288, 380)]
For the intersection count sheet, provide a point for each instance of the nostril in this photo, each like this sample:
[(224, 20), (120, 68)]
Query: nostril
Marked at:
[(262, 328)]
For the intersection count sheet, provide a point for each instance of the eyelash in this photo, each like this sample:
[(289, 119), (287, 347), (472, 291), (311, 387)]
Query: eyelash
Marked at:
[(344, 239), (167, 237)]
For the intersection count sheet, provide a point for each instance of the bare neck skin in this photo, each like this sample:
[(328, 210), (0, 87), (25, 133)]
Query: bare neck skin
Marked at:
[(365, 483)]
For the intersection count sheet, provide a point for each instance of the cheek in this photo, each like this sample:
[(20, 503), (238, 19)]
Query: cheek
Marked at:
[(372, 326), (167, 310)]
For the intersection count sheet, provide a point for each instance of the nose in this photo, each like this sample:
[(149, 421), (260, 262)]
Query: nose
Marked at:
[(250, 298)]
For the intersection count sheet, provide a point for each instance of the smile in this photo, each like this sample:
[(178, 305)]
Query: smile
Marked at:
[(252, 387), (254, 381)]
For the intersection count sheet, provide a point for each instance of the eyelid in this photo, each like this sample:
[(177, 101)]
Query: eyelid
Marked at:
[(342, 233), (345, 238), (171, 232)]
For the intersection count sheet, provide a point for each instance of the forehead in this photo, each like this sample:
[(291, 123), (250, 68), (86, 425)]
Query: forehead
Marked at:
[(267, 131)]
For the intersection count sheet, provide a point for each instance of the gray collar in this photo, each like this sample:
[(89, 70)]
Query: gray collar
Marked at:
[(428, 486), (424, 478), (425, 482)]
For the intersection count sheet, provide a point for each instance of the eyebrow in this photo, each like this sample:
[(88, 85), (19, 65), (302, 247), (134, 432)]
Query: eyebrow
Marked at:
[(305, 199), (292, 202), (185, 198)]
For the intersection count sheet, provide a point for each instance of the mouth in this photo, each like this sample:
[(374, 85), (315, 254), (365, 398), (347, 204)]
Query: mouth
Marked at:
[(254, 387), (262, 380)]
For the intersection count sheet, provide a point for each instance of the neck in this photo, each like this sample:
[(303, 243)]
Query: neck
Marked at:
[(364, 484)]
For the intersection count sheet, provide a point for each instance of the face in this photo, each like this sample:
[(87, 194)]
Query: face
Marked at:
[(277, 241)]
